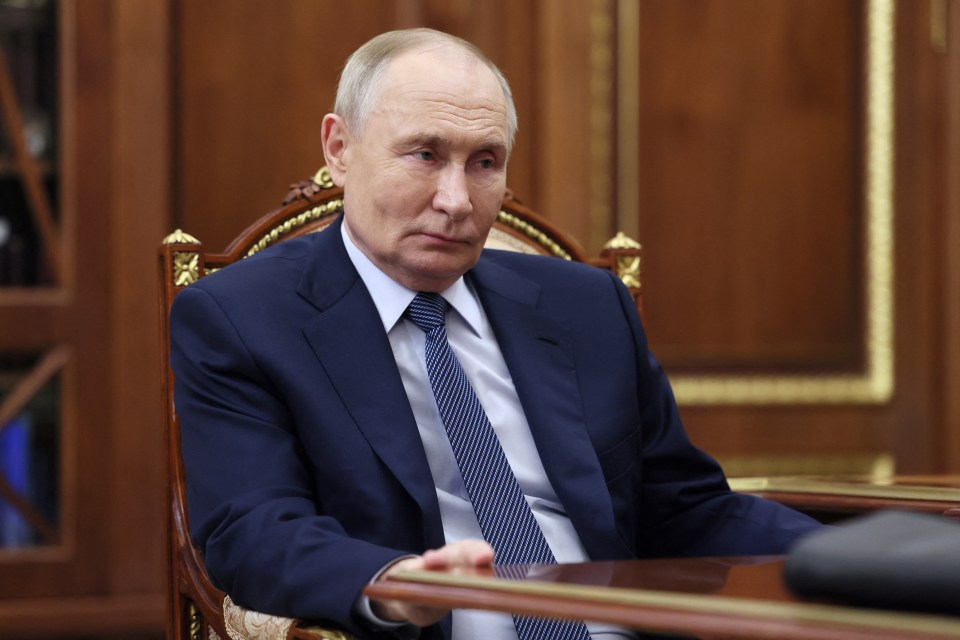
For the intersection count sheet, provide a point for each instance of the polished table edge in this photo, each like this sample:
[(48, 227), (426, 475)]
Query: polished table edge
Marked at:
[(404, 585), (907, 488)]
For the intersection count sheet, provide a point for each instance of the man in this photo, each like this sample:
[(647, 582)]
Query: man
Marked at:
[(319, 457)]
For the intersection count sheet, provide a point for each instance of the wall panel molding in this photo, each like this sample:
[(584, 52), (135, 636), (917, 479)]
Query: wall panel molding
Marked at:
[(874, 384)]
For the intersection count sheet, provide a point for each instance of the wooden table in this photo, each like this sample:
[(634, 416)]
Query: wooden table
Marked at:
[(830, 497), (708, 597)]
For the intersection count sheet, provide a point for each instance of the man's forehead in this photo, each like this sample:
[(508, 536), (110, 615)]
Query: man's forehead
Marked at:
[(442, 68), (433, 97), (435, 52)]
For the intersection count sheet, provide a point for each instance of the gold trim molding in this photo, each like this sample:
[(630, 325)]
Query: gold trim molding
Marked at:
[(319, 212), (887, 489), (627, 214), (602, 132), (875, 385), (875, 465), (538, 236)]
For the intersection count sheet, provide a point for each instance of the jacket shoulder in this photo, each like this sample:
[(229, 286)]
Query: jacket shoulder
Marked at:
[(268, 268), (550, 271)]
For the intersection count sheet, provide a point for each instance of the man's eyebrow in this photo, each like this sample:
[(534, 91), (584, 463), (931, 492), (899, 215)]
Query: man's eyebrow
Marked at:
[(434, 141), (423, 139), (495, 146)]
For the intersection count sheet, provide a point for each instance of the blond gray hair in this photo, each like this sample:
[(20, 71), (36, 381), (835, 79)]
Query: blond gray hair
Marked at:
[(362, 75)]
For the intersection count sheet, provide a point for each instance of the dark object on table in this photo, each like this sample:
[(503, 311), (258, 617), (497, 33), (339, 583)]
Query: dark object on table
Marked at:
[(890, 559)]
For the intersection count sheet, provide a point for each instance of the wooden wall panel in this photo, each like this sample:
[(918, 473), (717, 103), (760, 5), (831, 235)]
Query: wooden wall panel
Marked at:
[(253, 80), (927, 175), (950, 244), (140, 214), (753, 163), (750, 180), (751, 205), (567, 147)]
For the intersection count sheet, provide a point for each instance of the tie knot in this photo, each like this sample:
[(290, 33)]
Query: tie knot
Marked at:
[(428, 311)]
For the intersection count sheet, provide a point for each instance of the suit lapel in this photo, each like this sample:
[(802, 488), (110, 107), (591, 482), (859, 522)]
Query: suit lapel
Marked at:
[(350, 344), (352, 347), (538, 353)]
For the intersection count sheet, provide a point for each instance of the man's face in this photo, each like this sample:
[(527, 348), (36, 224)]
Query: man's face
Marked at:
[(424, 184)]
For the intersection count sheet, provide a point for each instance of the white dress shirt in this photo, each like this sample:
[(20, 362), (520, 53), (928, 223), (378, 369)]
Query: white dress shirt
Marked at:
[(472, 339)]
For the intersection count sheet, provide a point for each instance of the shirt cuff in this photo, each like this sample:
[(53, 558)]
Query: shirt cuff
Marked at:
[(363, 609)]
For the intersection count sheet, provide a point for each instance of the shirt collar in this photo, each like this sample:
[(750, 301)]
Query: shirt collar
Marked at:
[(392, 298)]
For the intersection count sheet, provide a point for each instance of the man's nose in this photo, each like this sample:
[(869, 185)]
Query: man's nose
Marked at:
[(453, 193)]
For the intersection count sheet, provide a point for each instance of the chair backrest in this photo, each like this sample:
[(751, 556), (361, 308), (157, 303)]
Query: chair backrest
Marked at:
[(195, 606)]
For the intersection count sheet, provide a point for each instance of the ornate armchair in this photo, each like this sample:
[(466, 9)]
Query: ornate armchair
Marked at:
[(196, 609)]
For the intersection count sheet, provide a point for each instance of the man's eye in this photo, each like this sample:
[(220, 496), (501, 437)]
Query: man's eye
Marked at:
[(423, 155), (486, 163)]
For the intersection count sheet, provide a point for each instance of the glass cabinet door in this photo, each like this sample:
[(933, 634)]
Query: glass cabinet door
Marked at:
[(31, 262)]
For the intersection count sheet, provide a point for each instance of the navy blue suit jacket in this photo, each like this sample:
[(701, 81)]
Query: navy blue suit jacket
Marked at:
[(305, 470)]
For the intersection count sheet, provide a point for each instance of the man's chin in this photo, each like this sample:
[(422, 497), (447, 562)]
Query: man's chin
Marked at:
[(437, 276)]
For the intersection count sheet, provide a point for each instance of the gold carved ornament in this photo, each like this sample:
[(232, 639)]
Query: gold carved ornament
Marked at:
[(276, 234), (196, 622), (537, 235), (186, 264), (180, 237), (627, 267), (322, 178), (186, 267)]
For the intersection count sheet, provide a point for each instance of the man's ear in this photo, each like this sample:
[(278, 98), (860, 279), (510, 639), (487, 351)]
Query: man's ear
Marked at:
[(334, 138)]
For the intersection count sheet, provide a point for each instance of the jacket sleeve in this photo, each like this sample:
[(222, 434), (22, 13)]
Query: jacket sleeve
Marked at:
[(686, 506), (251, 501)]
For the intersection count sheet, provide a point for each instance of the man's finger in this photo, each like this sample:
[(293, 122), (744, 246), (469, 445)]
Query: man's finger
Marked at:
[(466, 553)]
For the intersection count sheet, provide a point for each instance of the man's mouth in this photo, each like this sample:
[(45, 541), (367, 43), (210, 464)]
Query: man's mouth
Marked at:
[(440, 237)]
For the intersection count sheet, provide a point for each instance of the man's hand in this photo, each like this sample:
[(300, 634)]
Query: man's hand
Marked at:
[(466, 553)]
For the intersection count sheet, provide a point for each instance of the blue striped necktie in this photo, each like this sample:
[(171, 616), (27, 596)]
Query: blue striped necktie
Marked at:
[(505, 517)]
